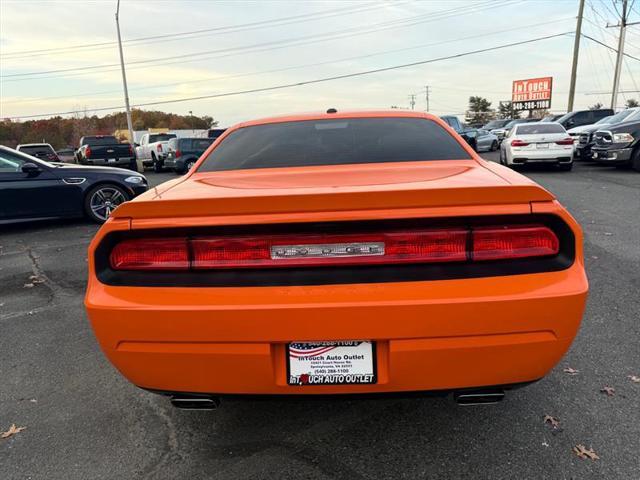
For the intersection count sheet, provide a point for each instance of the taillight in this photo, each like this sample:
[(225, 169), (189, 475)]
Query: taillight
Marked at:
[(131, 150), (565, 141), (178, 153), (312, 250), (159, 147), (309, 250), (516, 142), (151, 254), (87, 151), (495, 243)]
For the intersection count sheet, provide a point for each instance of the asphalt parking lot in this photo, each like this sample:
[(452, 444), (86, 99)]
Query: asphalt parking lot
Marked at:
[(83, 420)]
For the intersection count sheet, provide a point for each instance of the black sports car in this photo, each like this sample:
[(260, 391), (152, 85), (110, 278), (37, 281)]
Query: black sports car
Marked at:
[(32, 189)]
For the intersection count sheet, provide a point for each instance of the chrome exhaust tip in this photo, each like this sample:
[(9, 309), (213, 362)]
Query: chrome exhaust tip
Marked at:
[(488, 397), (195, 403)]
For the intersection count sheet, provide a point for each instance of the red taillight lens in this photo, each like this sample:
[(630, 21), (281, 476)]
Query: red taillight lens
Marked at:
[(516, 142), (317, 250), (308, 250), (565, 141), (495, 243), (151, 254), (131, 150), (87, 151), (178, 153), (159, 147)]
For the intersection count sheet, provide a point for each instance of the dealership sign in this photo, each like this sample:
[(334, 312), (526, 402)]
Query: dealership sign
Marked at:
[(532, 94)]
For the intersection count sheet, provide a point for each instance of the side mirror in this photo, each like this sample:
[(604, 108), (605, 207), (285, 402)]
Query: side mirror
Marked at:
[(31, 168), (136, 144)]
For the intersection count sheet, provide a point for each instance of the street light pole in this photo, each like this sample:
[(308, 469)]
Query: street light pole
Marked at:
[(124, 79)]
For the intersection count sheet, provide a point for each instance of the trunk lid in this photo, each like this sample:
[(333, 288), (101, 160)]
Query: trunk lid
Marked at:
[(336, 188)]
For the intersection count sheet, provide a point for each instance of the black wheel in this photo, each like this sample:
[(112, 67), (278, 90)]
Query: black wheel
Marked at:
[(102, 200), (502, 161), (566, 167), (494, 146), (133, 165), (157, 165), (189, 165), (635, 160)]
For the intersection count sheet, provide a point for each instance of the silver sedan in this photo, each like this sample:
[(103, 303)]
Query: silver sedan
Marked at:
[(487, 141)]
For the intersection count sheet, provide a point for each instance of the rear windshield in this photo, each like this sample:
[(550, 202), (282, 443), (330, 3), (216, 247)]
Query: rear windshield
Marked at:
[(201, 143), (334, 142), (540, 128), (99, 141), (496, 124), (37, 149), (161, 137)]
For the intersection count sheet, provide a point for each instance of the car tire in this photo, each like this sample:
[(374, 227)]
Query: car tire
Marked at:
[(502, 159), (101, 200), (157, 165), (133, 165), (189, 165), (635, 160), (494, 146)]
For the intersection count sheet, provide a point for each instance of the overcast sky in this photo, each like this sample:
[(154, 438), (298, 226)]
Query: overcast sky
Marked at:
[(269, 43)]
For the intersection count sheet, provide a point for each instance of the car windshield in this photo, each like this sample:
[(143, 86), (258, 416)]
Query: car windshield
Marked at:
[(495, 124), (20, 156), (514, 122), (334, 142), (36, 150), (539, 128), (99, 141), (631, 116), (618, 117), (161, 137)]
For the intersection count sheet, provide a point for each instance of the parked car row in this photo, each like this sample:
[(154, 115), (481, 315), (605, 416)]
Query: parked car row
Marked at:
[(598, 135)]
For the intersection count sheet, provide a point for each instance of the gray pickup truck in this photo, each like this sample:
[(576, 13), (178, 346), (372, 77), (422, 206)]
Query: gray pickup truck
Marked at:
[(106, 150)]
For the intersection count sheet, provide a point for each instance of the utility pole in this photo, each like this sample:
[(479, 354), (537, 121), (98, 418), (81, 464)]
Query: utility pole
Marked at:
[(426, 91), (412, 101), (576, 50), (124, 80), (616, 74)]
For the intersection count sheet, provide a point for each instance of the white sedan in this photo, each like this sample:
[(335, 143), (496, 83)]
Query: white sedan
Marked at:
[(538, 142)]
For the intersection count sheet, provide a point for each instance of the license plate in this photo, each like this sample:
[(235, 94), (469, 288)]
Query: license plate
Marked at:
[(542, 145), (331, 363), (111, 159)]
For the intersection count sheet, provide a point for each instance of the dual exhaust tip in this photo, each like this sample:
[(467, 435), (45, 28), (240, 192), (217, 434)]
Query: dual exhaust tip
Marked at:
[(463, 398)]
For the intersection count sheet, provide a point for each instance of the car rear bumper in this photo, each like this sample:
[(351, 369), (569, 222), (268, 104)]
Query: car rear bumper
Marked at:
[(435, 335), (173, 162), (125, 161), (550, 155)]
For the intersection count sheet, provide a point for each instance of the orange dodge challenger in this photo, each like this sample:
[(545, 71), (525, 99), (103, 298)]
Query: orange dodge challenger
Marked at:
[(338, 253)]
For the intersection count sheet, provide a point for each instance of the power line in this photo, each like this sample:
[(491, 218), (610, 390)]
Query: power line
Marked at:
[(610, 48), (310, 82), (336, 34), (226, 29), (316, 64)]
